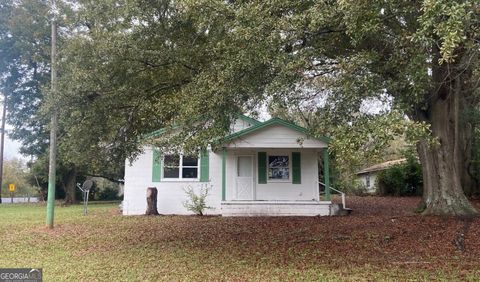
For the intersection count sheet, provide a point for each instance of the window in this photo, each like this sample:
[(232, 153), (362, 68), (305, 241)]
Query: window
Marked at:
[(180, 167), (367, 180), (278, 168)]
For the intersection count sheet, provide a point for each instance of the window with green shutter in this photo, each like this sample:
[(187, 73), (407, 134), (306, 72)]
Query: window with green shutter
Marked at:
[(180, 167), (296, 168), (262, 167)]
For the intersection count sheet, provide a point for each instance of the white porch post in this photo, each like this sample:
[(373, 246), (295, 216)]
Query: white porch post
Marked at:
[(326, 173), (224, 175)]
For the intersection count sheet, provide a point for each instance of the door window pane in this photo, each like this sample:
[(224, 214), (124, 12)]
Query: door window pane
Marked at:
[(244, 167)]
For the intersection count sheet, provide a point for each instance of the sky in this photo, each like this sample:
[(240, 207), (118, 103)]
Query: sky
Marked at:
[(11, 149)]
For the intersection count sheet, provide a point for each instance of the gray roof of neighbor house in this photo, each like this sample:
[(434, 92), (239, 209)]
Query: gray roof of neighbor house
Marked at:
[(382, 166)]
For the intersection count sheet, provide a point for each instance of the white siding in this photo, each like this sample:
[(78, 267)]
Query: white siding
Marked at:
[(373, 181), (276, 136), (138, 177)]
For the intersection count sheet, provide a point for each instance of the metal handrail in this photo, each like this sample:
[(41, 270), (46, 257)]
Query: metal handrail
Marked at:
[(342, 193)]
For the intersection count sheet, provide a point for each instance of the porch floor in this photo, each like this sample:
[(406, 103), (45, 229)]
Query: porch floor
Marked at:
[(276, 208)]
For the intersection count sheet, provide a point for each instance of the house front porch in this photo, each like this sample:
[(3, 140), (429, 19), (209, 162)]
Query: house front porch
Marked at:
[(272, 169), (276, 208)]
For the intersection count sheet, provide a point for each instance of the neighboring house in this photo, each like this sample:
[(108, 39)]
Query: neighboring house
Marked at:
[(368, 176), (261, 168)]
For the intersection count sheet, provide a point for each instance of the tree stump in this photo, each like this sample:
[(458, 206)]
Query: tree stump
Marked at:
[(152, 201)]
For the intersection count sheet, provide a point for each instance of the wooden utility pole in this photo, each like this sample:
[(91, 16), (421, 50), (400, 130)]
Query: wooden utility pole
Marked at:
[(2, 142), (53, 130)]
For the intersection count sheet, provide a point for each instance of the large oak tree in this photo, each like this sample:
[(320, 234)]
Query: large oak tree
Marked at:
[(133, 66)]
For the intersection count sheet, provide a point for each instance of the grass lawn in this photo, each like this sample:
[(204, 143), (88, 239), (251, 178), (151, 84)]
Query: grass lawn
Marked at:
[(382, 240)]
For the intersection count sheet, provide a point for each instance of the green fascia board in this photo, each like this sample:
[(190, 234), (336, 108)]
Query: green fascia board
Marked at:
[(158, 132), (273, 121)]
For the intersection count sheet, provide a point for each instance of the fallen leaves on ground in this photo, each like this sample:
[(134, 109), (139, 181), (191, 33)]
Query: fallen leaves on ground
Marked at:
[(383, 239)]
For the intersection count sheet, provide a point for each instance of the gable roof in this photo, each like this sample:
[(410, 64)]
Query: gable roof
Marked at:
[(382, 166), (270, 122)]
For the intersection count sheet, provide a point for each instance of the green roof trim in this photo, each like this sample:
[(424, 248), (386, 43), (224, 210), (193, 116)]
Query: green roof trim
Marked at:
[(157, 133), (273, 121)]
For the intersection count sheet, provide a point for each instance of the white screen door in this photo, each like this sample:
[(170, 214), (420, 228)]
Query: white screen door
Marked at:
[(244, 178)]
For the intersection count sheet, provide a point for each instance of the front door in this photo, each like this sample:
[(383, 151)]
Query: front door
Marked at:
[(244, 178)]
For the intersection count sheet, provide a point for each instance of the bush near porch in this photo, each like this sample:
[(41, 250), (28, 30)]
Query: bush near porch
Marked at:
[(383, 240)]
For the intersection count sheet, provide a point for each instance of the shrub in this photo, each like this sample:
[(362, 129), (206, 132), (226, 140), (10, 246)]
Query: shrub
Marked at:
[(401, 180), (108, 194), (359, 189), (348, 184), (196, 203)]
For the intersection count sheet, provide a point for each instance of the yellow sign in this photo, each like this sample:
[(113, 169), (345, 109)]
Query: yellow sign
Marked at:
[(11, 187)]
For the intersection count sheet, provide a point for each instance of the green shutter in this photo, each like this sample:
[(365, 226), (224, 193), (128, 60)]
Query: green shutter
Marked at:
[(296, 168), (156, 165), (262, 168), (204, 163)]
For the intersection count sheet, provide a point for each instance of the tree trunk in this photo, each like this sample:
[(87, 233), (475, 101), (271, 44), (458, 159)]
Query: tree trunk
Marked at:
[(152, 201), (442, 189), (70, 187), (445, 164), (474, 168)]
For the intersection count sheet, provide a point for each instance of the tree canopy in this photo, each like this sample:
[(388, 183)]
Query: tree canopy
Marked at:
[(130, 67)]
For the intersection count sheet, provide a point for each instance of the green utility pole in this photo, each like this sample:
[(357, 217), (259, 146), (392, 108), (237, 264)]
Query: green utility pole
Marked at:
[(2, 141), (53, 130)]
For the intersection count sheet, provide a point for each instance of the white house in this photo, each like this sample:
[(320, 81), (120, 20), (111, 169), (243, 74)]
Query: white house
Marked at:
[(368, 176), (261, 168)]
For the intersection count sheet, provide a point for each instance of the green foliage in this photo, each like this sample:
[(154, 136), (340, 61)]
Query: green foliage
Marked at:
[(15, 171), (449, 21), (25, 78), (24, 69), (401, 180), (350, 186), (140, 66), (197, 202), (105, 190), (108, 194)]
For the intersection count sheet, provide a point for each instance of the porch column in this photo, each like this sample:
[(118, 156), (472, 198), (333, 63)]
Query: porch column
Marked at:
[(224, 176), (326, 173)]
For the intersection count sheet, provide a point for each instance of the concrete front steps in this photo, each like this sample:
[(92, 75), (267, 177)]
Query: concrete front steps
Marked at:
[(338, 209), (282, 208)]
